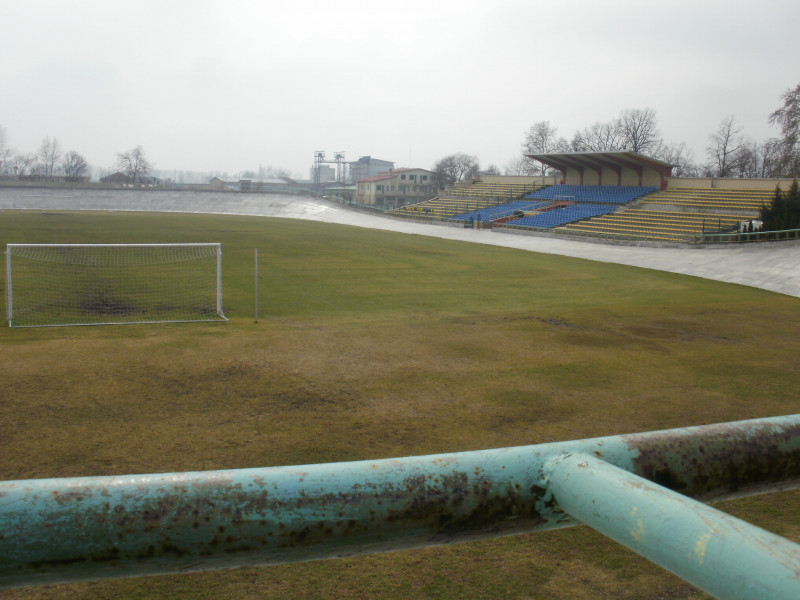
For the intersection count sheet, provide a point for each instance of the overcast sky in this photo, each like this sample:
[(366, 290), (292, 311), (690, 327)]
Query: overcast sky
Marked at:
[(228, 86)]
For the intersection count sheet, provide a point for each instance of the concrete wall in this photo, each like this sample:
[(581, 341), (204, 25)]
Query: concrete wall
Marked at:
[(526, 179), (651, 178), (591, 177)]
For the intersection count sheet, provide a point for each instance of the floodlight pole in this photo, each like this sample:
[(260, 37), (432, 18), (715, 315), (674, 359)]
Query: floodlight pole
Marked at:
[(256, 284)]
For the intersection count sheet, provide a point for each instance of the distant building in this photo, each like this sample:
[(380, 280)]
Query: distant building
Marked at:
[(217, 183), (327, 174), (366, 166), (341, 192), (396, 188), (117, 179), (123, 179)]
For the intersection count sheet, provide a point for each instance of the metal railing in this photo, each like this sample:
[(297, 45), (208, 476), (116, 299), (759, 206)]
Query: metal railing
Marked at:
[(736, 237), (636, 488)]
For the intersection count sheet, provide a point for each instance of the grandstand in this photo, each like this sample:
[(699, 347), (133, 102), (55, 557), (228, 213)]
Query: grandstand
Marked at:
[(472, 196), (663, 213), (627, 212), (677, 215), (562, 204), (610, 195)]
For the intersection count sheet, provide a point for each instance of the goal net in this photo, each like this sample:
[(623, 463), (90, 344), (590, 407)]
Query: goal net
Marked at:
[(104, 284)]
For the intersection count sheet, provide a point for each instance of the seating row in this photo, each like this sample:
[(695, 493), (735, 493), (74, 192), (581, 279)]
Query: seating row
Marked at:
[(713, 199), (655, 225), (480, 189), (608, 194), (561, 216), (446, 207)]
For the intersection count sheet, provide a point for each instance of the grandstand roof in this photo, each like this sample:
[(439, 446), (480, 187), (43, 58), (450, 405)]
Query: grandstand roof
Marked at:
[(607, 168)]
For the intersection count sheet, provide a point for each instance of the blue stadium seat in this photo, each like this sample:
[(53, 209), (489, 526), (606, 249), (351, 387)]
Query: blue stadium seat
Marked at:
[(607, 194), (562, 216)]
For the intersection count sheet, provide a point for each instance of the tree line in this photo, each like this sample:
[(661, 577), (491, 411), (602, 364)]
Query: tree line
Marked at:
[(51, 161), (729, 153), (48, 161)]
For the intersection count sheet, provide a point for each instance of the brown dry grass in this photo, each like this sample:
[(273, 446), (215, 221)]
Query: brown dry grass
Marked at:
[(468, 364)]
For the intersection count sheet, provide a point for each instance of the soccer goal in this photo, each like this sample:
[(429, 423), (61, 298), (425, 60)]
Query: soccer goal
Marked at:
[(105, 284)]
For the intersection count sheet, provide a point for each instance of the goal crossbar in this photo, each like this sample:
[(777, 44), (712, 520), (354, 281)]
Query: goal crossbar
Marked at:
[(103, 284)]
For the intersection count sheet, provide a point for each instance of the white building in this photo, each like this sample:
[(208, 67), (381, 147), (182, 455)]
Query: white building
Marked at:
[(399, 187)]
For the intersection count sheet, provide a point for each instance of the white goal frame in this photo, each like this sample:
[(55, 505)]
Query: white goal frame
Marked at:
[(213, 314)]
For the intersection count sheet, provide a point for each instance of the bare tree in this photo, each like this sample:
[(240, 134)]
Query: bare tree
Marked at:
[(747, 161), (73, 165), (598, 137), (134, 163), (726, 142), (772, 158), (638, 130), (788, 117), (455, 168), (48, 156), (5, 150), (681, 157), (521, 165), (24, 164), (542, 138)]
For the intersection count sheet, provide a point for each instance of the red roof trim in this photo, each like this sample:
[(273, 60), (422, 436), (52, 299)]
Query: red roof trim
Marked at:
[(375, 178)]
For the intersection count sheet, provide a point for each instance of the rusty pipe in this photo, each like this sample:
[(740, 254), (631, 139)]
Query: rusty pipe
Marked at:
[(61, 530)]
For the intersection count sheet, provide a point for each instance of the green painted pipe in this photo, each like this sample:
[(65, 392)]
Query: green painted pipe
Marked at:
[(723, 555), (60, 530)]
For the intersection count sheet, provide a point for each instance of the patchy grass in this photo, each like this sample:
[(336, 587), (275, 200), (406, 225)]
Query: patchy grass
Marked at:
[(373, 344)]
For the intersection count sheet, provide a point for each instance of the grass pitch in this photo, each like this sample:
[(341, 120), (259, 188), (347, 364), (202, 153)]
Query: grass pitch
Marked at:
[(373, 344)]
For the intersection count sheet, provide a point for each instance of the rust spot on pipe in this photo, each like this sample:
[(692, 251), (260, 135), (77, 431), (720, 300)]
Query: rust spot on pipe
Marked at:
[(725, 462)]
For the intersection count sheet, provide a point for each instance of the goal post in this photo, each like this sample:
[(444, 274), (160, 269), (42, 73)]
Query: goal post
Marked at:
[(105, 284)]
